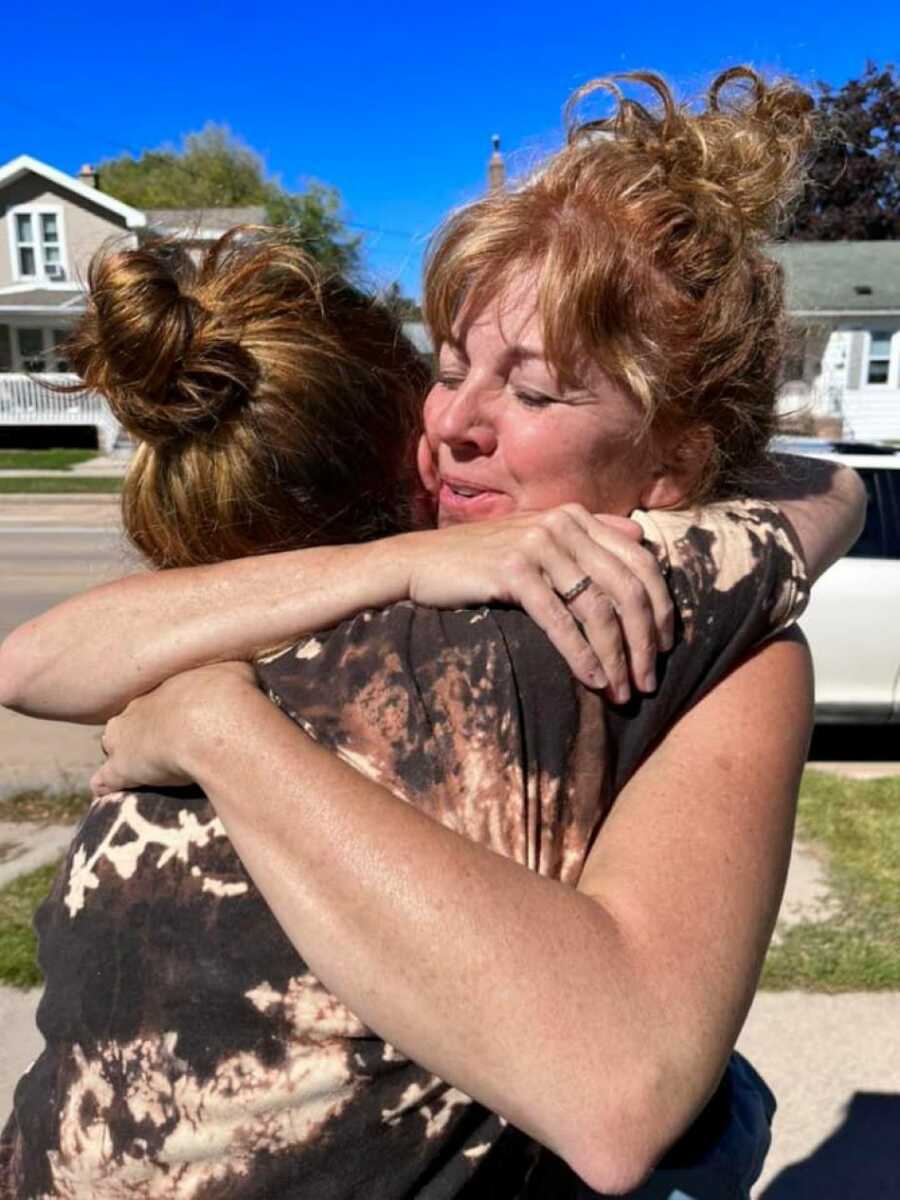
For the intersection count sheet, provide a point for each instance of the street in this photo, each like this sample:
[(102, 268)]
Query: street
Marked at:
[(42, 567), (43, 562)]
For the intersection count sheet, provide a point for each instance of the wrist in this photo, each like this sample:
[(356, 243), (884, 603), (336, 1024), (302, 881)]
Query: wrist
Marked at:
[(212, 720), (391, 567)]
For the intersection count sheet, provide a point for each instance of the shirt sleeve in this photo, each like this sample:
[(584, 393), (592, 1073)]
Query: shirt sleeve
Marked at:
[(723, 544), (737, 576)]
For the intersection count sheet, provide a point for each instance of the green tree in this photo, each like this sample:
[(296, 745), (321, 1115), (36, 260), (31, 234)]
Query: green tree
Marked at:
[(215, 169), (314, 219), (855, 178), (403, 307)]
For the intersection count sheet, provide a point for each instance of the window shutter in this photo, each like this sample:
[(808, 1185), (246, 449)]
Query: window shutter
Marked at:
[(855, 359)]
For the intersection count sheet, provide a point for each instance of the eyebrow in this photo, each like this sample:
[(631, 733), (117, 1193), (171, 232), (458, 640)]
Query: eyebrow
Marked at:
[(520, 353)]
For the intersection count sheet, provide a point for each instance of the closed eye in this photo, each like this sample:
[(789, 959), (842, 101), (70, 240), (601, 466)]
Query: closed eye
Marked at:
[(534, 399), (450, 381)]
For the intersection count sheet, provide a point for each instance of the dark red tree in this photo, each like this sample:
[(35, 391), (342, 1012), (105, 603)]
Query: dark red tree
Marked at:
[(854, 191)]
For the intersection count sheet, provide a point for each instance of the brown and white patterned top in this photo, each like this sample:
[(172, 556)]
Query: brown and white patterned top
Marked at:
[(191, 1054)]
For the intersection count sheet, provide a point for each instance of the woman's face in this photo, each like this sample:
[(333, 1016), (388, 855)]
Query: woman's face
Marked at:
[(502, 437)]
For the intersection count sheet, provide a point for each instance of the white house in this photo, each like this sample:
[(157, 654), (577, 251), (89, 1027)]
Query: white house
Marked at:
[(844, 299), (51, 224)]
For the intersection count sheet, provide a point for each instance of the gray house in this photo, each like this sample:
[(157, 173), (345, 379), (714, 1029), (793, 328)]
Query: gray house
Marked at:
[(844, 370)]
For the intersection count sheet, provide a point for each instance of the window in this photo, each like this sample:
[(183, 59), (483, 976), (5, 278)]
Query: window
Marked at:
[(879, 365), (41, 350), (881, 536), (31, 349), (38, 244)]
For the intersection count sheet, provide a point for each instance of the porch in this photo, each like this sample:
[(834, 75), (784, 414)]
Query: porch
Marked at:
[(26, 401)]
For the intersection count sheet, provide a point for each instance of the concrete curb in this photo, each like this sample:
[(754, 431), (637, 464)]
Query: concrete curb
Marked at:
[(39, 498)]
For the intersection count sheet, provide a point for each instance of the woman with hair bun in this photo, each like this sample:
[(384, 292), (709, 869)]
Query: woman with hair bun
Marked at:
[(526, 894)]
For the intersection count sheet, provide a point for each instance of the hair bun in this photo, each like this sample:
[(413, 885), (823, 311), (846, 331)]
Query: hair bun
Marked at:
[(167, 367), (744, 155)]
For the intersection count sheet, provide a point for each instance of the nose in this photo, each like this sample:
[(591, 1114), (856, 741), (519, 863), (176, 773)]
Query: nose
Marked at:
[(462, 419)]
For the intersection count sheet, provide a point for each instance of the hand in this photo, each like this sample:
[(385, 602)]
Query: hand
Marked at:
[(623, 619), (148, 745)]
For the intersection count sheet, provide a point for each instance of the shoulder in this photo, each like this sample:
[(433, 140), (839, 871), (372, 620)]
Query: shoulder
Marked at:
[(722, 555)]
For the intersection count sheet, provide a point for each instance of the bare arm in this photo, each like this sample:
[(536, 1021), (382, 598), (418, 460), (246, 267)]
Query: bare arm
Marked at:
[(569, 1012), (60, 665), (824, 501), (85, 659)]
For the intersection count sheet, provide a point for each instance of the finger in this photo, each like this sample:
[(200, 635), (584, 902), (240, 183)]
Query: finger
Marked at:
[(100, 784), (616, 613), (538, 599), (611, 534), (597, 615), (626, 525), (560, 539)]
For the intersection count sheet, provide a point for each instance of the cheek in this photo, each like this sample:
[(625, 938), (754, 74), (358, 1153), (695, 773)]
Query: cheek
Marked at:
[(548, 457), (570, 462), (431, 413)]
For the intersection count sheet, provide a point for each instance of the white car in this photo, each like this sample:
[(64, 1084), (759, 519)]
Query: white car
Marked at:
[(853, 619)]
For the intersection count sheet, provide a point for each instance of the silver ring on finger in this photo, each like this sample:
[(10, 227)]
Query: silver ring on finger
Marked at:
[(575, 590)]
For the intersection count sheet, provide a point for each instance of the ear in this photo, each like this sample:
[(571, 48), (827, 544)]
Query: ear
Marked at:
[(680, 461), (426, 467)]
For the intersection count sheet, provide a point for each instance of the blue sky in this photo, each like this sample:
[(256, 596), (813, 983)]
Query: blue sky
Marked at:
[(394, 104)]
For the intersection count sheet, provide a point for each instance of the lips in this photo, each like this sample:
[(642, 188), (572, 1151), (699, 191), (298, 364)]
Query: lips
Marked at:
[(467, 500)]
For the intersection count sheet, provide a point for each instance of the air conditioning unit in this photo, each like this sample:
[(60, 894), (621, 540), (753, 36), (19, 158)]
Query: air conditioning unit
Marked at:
[(55, 272)]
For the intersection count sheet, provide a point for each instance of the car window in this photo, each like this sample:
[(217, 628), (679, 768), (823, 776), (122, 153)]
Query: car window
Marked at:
[(881, 536), (889, 493)]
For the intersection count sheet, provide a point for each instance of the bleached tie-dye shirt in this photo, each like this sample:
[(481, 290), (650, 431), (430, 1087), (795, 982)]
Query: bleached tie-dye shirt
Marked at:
[(191, 1054)]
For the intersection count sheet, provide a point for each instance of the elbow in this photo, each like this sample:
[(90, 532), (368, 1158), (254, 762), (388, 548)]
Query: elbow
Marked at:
[(26, 684), (612, 1174), (14, 670), (618, 1142)]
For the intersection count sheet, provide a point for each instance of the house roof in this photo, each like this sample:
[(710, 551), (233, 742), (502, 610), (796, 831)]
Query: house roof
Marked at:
[(42, 301), (17, 167), (204, 223), (827, 277)]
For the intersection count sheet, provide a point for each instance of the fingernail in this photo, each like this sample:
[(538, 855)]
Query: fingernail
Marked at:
[(622, 693), (598, 679), (668, 642), (649, 684)]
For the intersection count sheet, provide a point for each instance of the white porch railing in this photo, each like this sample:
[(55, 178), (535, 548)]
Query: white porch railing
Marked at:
[(24, 401)]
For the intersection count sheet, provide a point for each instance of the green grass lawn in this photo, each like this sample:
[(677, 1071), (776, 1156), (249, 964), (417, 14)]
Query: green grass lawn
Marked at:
[(44, 806), (18, 945), (43, 460), (19, 899), (44, 484), (855, 825)]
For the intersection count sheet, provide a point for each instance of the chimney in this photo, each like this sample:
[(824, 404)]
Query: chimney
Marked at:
[(87, 175), (496, 169)]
